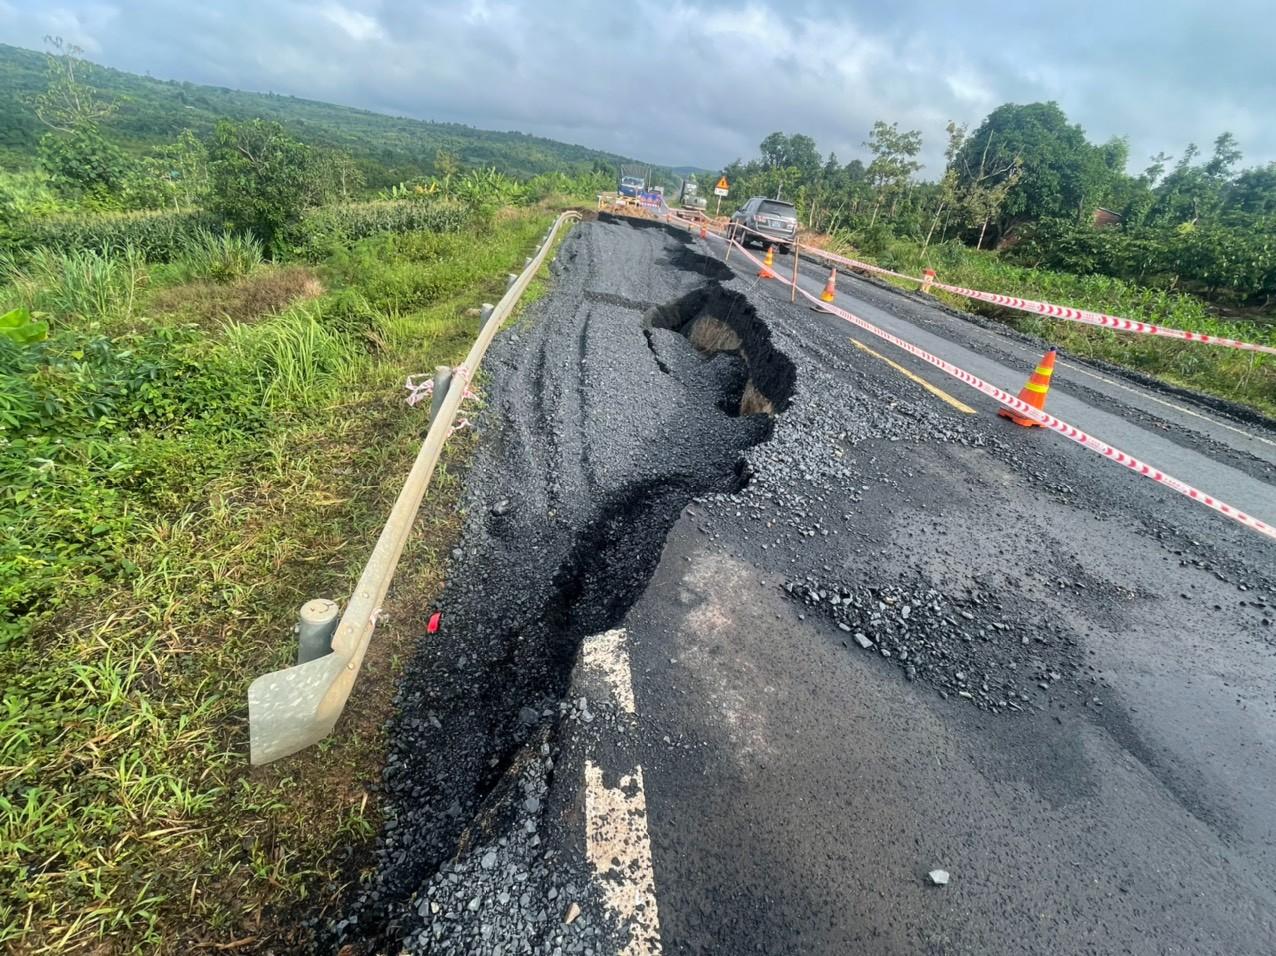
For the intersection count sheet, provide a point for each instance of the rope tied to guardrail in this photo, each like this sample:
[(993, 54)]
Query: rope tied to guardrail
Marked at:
[(419, 391)]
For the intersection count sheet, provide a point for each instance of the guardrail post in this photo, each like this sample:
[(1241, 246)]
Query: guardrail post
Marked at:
[(928, 276), (315, 625), (510, 279), (485, 314), (527, 262), (442, 382)]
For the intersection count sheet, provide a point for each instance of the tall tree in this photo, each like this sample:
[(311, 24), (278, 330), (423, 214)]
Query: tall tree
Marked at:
[(178, 171), (68, 104), (1254, 191), (1227, 153), (337, 176), (78, 158), (1061, 175), (1194, 192), (894, 162), (947, 194), (984, 189), (262, 178)]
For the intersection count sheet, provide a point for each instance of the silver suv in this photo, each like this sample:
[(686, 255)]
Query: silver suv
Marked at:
[(773, 218)]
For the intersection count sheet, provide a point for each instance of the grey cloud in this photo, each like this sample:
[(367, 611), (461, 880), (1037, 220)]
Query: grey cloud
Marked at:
[(690, 81)]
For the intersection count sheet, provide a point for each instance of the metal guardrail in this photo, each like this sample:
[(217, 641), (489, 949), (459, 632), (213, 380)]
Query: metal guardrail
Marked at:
[(291, 709)]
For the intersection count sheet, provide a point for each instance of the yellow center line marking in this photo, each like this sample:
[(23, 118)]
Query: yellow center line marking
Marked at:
[(937, 392)]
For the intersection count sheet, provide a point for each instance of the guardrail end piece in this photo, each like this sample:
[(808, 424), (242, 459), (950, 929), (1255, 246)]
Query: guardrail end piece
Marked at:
[(284, 708)]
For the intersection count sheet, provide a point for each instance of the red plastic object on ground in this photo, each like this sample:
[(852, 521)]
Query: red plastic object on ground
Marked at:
[(433, 626)]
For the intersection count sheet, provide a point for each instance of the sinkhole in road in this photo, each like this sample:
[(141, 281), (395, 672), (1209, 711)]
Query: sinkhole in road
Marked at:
[(720, 321), (531, 583)]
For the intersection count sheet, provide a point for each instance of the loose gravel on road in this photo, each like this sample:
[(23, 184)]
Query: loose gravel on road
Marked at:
[(652, 379)]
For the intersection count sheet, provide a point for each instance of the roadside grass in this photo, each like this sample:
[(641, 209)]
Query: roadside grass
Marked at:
[(172, 493), (84, 285), (1247, 378)]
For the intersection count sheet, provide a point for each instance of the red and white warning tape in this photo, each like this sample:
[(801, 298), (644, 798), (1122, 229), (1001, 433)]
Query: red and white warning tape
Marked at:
[(1100, 319), (1049, 421), (1070, 313), (1084, 316)]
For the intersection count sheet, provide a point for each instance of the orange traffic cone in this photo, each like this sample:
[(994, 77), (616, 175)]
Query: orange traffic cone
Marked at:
[(1034, 393), (830, 287), (704, 231), (765, 272)]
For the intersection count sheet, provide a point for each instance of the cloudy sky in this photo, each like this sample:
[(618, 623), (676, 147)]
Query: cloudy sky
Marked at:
[(691, 82)]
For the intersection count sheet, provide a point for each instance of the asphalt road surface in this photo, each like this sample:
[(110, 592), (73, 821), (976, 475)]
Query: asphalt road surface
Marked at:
[(754, 629)]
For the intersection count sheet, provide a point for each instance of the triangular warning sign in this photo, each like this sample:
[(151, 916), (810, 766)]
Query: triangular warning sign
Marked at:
[(722, 183)]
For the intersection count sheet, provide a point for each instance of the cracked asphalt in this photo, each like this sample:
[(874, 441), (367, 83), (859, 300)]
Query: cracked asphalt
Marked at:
[(864, 635)]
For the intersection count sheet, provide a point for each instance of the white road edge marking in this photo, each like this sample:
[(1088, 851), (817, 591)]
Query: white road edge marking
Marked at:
[(619, 851), (617, 843), (1143, 393), (606, 655)]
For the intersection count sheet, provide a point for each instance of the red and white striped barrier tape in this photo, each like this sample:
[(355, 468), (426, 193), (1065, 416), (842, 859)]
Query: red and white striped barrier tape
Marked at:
[(1049, 421), (1100, 319), (1084, 316)]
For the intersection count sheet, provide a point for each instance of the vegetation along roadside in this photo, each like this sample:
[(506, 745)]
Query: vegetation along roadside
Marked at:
[(203, 425), (1247, 378), (209, 302), (1027, 206)]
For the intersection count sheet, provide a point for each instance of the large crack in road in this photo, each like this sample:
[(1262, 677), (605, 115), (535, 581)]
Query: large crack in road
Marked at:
[(822, 535), (610, 414)]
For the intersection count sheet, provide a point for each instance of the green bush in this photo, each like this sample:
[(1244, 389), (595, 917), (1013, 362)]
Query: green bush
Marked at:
[(295, 359), (325, 228), (160, 236), (874, 240), (1226, 262), (401, 272), (25, 194), (221, 256), (262, 178)]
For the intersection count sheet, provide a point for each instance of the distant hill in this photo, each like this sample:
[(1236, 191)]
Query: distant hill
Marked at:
[(392, 148)]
